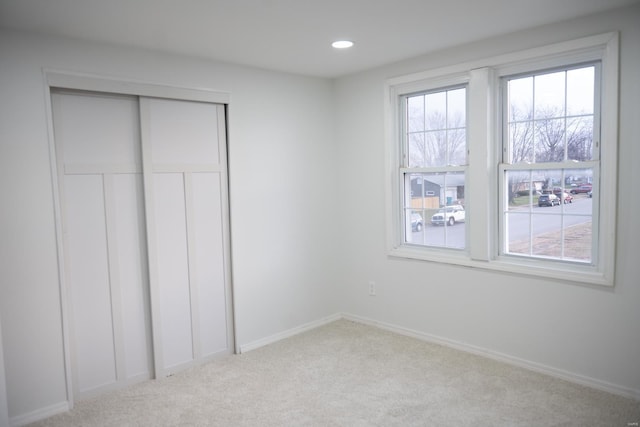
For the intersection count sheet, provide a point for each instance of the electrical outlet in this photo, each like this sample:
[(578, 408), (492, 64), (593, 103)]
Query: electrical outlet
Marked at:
[(372, 288)]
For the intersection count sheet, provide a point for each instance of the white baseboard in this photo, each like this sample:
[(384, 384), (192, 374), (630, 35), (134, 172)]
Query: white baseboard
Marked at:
[(39, 414), (48, 411), (289, 333), (501, 357)]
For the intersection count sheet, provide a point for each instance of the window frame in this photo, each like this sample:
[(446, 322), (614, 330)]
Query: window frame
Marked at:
[(565, 165), (483, 203), (407, 171)]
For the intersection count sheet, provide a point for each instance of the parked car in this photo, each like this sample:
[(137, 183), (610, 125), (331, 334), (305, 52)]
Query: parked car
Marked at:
[(416, 222), (548, 200), (566, 198), (584, 188), (449, 214)]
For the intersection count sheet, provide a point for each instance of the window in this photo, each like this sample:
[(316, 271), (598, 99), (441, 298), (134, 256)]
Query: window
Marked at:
[(551, 163), (434, 163), (509, 163)]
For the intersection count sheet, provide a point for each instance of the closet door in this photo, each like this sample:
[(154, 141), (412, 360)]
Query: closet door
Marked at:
[(144, 208), (184, 152), (101, 191)]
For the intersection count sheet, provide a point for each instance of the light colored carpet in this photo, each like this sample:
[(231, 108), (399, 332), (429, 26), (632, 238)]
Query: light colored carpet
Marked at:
[(348, 374)]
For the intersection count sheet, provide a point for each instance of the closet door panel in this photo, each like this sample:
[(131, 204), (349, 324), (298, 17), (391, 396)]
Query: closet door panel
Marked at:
[(98, 152), (98, 129), (184, 153), (209, 261), (88, 274), (132, 274), (184, 132), (173, 268)]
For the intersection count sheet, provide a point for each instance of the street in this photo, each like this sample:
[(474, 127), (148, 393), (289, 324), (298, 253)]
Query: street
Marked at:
[(548, 218), (522, 221)]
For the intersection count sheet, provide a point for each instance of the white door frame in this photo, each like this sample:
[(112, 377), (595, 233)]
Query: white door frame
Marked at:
[(76, 81)]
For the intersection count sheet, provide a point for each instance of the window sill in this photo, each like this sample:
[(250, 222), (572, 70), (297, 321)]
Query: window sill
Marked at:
[(550, 270)]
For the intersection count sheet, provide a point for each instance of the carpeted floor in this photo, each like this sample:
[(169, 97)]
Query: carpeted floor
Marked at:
[(348, 374)]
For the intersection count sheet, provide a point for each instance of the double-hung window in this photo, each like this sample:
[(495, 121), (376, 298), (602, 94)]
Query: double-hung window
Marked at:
[(550, 163), (508, 163), (433, 171)]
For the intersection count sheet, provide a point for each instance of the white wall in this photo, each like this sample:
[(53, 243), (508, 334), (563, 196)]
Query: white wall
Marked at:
[(307, 213), (282, 156), (579, 330)]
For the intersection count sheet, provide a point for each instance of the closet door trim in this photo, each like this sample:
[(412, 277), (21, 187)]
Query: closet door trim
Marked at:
[(95, 83)]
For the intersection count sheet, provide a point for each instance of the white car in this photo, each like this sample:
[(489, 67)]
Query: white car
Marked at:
[(448, 214), (416, 222)]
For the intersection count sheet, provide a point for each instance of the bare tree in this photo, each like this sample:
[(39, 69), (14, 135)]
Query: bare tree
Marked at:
[(580, 139), (548, 136), (441, 144), (555, 137)]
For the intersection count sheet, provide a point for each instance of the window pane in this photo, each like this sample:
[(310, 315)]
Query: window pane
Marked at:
[(552, 113), (436, 111), (520, 99), (547, 180), (580, 91), (549, 238), (577, 239), (546, 235), (457, 108), (521, 137), (523, 188), (436, 148), (436, 132), (416, 191), (434, 210), (549, 213), (580, 138), (416, 150), (549, 140), (579, 182), (549, 95), (415, 113), (457, 146), (519, 233)]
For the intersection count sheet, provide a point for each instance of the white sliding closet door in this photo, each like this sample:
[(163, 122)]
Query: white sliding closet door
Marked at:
[(144, 205), (185, 171), (100, 168)]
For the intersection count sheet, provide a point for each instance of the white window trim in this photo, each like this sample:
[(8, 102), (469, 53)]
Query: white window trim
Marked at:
[(483, 97)]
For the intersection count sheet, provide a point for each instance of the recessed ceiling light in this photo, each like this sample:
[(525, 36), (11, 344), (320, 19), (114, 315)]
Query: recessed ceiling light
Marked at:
[(342, 44)]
